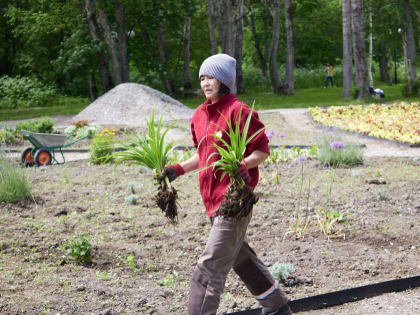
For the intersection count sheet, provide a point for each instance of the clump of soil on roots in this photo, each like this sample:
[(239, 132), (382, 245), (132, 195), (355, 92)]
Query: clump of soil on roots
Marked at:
[(166, 201), (238, 203)]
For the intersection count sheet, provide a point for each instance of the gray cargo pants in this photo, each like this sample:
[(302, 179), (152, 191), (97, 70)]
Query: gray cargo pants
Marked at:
[(228, 247)]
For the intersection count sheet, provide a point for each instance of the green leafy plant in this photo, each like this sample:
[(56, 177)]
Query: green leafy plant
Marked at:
[(42, 125), (381, 194), (168, 281), (153, 153), (101, 149), (132, 199), (340, 155), (23, 92), (131, 262), (80, 249), (281, 271), (104, 276), (327, 220), (14, 184), (299, 226), (239, 197), (9, 135)]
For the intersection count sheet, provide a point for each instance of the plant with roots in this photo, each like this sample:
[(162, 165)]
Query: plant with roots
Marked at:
[(152, 152), (240, 198)]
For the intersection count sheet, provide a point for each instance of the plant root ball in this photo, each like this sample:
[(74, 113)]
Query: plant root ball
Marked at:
[(166, 201), (239, 202)]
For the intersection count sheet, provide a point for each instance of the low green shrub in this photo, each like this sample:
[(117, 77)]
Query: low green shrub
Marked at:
[(281, 271), (14, 184), (101, 149), (9, 135), (80, 249), (338, 153), (42, 125), (415, 90), (23, 92)]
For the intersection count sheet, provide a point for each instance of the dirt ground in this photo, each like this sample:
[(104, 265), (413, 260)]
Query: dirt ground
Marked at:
[(378, 234)]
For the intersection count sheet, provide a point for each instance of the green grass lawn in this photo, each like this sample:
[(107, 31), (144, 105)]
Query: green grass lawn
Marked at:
[(306, 98), (61, 106), (263, 100)]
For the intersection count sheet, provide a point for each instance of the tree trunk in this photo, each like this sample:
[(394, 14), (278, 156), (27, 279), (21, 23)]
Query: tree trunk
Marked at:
[(229, 46), (347, 50), (102, 59), (122, 42), (93, 91), (187, 40), (257, 43), (212, 26), (370, 44), (391, 76), (359, 49), (274, 76), (220, 23), (116, 68), (163, 53), (238, 45), (289, 84), (411, 45), (383, 65)]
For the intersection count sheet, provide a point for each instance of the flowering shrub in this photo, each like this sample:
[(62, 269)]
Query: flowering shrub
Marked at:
[(399, 121), (82, 130)]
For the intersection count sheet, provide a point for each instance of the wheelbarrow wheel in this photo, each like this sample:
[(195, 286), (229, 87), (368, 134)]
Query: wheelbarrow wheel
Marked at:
[(26, 157), (43, 157)]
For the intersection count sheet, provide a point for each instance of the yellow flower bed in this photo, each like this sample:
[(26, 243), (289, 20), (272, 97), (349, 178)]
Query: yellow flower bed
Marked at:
[(398, 122)]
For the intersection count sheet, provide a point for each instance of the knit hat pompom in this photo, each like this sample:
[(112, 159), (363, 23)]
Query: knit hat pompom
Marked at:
[(222, 67)]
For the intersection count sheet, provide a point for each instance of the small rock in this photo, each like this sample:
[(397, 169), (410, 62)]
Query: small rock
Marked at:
[(166, 293), (376, 182), (81, 288), (60, 213), (141, 302), (107, 311), (234, 304)]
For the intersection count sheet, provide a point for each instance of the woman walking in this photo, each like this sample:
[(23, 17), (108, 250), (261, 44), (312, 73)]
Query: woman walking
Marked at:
[(227, 246)]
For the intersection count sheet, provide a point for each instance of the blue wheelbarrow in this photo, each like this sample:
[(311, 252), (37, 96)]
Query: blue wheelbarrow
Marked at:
[(44, 148)]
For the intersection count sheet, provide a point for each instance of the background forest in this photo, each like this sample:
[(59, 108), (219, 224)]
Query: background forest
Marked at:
[(83, 48)]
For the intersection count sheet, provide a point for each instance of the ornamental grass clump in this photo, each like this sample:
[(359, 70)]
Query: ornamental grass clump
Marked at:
[(338, 154), (14, 184), (240, 198), (153, 153), (101, 148)]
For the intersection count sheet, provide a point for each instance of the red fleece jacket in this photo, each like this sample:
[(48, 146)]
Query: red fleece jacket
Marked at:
[(208, 119)]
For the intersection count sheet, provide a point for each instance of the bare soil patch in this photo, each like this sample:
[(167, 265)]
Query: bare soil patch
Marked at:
[(381, 237), (382, 199)]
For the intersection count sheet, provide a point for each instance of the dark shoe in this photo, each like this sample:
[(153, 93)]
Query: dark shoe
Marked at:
[(285, 310)]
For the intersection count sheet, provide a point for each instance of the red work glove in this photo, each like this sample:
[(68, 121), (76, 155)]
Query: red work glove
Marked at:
[(172, 172), (242, 171)]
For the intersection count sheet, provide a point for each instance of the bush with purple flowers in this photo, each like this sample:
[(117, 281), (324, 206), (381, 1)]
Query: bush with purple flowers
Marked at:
[(336, 153)]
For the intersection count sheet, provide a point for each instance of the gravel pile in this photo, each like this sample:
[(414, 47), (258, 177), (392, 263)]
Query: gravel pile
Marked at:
[(130, 104)]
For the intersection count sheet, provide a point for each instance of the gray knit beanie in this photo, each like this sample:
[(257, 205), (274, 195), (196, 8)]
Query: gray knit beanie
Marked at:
[(222, 67)]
